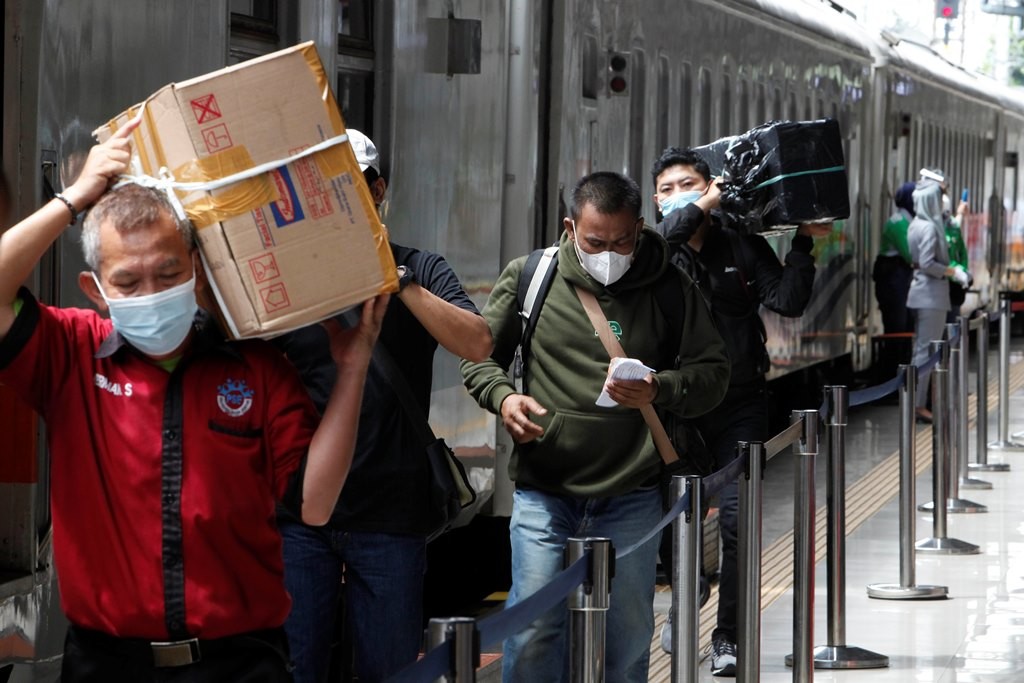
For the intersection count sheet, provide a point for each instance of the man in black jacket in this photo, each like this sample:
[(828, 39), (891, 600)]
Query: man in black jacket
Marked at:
[(737, 274)]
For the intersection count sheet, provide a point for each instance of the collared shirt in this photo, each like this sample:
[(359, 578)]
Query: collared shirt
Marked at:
[(163, 484)]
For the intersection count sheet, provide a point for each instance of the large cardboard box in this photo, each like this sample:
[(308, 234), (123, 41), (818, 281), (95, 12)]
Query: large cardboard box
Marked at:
[(292, 245)]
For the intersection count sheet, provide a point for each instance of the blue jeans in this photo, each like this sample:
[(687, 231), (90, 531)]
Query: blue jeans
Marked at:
[(383, 592), (541, 524)]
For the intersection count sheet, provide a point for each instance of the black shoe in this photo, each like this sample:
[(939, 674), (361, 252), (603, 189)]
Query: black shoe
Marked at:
[(723, 658)]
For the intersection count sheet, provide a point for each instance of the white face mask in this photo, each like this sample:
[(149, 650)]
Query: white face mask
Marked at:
[(679, 200), (607, 267), (155, 324), (947, 205)]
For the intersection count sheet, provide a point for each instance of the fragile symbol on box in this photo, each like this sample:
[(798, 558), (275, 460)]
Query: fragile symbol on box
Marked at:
[(217, 138), (205, 108), (275, 297), (264, 268)]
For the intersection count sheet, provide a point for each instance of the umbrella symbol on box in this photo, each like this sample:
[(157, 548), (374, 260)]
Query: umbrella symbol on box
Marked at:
[(264, 268)]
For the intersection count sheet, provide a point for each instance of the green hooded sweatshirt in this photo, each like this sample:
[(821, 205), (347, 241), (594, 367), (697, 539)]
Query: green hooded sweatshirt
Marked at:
[(586, 450)]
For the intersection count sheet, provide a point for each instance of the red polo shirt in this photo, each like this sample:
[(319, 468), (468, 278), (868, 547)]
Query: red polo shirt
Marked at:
[(163, 484)]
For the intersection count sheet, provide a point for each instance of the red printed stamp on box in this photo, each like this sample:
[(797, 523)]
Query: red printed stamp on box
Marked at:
[(205, 108), (217, 138), (317, 198), (264, 268), (275, 297)]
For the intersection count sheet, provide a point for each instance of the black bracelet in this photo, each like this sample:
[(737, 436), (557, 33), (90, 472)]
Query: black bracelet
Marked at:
[(67, 203)]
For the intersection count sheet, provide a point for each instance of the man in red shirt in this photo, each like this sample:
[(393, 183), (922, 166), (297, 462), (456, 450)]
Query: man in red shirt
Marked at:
[(169, 447)]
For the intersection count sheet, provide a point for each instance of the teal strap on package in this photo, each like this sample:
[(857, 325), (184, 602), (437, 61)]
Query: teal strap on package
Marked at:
[(778, 178)]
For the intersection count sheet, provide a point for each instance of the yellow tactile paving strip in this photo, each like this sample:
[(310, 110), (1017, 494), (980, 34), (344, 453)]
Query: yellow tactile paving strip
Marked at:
[(863, 499)]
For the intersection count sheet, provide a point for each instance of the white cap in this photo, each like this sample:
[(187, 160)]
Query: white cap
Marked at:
[(930, 174), (365, 150)]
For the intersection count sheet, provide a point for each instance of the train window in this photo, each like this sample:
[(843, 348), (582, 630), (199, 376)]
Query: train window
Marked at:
[(661, 128), (725, 107), (686, 105), (637, 102), (761, 110), (704, 101), (355, 64), (355, 24), (777, 105), (820, 111), (589, 79), (808, 109), (255, 29), (791, 110)]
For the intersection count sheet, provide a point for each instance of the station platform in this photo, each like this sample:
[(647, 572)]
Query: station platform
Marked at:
[(976, 634)]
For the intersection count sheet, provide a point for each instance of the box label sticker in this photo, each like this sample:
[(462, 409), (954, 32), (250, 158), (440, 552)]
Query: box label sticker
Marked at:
[(287, 209), (317, 199), (266, 236), (217, 138), (205, 108), (264, 268), (275, 297)]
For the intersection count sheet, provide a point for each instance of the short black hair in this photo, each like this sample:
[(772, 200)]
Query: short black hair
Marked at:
[(679, 156), (371, 175), (608, 192)]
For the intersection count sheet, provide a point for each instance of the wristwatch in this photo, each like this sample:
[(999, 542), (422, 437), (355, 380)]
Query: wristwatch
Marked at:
[(405, 276)]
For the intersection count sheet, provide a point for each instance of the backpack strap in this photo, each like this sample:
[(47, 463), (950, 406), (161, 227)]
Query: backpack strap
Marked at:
[(738, 253), (534, 283), (668, 297)]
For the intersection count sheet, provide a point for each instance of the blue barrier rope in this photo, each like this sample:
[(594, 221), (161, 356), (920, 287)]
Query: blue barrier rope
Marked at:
[(434, 664)]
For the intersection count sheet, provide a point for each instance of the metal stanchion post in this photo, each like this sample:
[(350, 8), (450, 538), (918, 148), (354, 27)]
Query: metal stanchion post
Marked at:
[(588, 610), (837, 654), (803, 547), (981, 432), (951, 456), (1004, 443), (748, 661), (939, 543), (686, 530), (962, 473), (908, 475), (465, 639)]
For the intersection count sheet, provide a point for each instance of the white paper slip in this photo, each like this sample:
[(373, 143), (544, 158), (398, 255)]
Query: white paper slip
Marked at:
[(622, 368)]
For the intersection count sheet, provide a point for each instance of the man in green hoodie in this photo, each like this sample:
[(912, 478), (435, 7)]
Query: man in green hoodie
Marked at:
[(580, 469)]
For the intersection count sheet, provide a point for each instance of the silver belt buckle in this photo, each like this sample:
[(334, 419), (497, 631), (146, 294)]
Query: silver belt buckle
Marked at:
[(176, 653)]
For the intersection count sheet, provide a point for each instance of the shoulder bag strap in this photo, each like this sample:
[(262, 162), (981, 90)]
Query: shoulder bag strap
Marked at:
[(404, 394), (614, 348)]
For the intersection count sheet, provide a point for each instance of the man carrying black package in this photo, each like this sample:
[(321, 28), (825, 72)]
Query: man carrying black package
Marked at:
[(738, 273)]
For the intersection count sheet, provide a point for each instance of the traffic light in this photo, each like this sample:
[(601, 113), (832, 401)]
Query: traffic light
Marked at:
[(947, 9), (618, 73)]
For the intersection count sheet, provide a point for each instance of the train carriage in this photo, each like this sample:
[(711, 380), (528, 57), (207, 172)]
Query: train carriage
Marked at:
[(486, 114)]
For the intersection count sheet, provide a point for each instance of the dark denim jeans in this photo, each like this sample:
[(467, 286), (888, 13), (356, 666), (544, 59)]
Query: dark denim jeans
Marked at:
[(741, 416), (383, 581)]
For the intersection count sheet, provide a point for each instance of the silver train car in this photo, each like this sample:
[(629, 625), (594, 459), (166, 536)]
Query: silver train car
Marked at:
[(486, 113)]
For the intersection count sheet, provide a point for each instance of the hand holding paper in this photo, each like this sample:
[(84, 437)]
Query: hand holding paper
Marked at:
[(625, 369)]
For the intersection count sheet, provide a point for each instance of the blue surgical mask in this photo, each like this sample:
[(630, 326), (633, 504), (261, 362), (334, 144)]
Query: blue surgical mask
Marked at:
[(679, 200), (155, 324)]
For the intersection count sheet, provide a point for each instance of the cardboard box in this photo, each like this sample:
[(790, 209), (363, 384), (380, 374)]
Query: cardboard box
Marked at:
[(781, 173), (289, 246)]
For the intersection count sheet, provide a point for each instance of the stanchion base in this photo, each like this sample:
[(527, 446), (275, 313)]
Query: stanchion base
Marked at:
[(975, 484), (957, 505), (946, 546), (844, 657), (1006, 446), (894, 591), (988, 467)]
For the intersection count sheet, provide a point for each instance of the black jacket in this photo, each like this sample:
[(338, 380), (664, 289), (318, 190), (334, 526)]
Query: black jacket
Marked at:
[(738, 273)]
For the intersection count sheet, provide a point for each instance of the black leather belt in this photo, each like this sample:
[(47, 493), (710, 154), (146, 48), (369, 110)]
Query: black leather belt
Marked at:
[(176, 653)]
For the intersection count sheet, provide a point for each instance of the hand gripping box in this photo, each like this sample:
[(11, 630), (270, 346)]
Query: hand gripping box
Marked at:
[(781, 173), (293, 244)]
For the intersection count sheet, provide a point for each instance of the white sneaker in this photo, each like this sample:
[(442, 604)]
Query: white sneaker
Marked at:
[(723, 658), (666, 634)]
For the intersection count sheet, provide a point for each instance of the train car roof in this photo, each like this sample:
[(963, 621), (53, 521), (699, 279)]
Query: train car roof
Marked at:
[(820, 18), (922, 61)]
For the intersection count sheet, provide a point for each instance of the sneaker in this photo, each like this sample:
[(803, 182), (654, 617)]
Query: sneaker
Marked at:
[(723, 658), (666, 635)]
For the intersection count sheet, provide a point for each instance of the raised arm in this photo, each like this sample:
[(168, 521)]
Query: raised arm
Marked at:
[(23, 245), (333, 444), (462, 332)]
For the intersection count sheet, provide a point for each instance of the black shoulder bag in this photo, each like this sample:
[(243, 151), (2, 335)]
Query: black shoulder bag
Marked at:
[(450, 490)]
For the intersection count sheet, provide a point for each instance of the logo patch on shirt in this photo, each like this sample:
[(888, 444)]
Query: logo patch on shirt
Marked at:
[(234, 398), (113, 387), (616, 329)]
